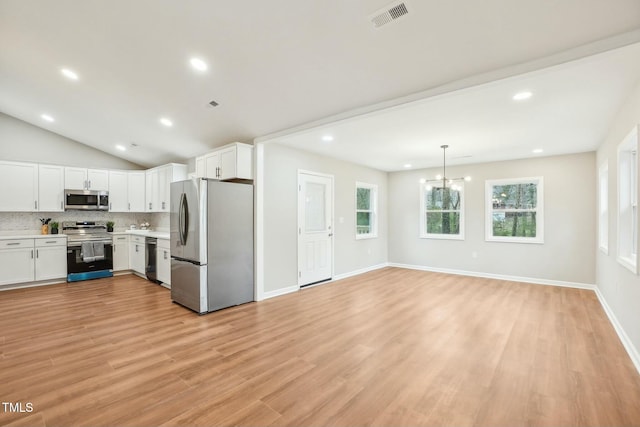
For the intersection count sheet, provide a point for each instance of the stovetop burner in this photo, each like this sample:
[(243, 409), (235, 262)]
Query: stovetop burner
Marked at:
[(82, 231)]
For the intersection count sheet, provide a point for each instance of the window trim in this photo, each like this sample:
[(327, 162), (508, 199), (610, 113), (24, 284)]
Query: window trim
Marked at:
[(489, 237), (423, 213), (373, 210), (603, 207), (628, 145)]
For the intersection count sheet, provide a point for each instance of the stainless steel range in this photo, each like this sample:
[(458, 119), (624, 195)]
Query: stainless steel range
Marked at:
[(89, 250)]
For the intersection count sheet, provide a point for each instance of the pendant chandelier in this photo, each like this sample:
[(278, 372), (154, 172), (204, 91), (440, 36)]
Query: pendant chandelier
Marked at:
[(441, 182)]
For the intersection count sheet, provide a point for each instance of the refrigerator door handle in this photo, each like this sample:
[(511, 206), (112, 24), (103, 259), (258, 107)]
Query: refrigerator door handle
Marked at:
[(180, 220), (183, 219)]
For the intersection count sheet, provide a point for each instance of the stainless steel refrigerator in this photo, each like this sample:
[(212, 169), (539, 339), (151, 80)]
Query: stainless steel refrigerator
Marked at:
[(211, 227)]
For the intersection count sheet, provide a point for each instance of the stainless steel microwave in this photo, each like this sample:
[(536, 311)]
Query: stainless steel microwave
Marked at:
[(86, 200)]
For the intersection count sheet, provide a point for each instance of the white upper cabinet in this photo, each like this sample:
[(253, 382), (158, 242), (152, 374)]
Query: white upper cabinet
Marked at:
[(118, 194), (200, 166), (19, 188), (233, 161), (50, 188), (30, 187), (136, 190), (86, 179), (212, 165), (151, 190), (75, 178), (158, 185), (126, 191), (98, 179)]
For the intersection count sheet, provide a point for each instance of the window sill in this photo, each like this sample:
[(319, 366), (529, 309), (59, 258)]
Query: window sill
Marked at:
[(514, 240), (366, 236), (442, 236), (629, 263)]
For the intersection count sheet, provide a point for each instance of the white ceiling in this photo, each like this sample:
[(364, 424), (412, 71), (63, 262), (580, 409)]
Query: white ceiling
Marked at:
[(570, 111), (280, 64)]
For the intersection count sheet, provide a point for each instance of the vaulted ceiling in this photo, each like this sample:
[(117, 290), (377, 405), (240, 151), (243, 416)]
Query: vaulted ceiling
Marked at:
[(278, 65)]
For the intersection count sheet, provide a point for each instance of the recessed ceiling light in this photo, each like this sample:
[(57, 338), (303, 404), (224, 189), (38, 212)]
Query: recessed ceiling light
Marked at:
[(521, 96), (537, 151), (70, 74), (198, 64), (327, 138), (121, 147), (407, 166), (168, 123), (48, 118)]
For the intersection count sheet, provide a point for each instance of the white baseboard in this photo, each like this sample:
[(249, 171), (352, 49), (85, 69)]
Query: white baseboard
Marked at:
[(497, 276), (290, 289), (360, 271), (122, 272), (278, 292), (32, 284), (626, 342)]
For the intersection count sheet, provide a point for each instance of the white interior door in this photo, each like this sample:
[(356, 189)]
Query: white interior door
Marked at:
[(315, 228)]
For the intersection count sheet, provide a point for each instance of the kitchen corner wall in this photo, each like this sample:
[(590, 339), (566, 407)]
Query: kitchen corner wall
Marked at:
[(29, 222), (21, 141)]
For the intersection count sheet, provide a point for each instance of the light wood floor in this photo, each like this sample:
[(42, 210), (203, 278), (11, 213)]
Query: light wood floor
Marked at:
[(391, 348)]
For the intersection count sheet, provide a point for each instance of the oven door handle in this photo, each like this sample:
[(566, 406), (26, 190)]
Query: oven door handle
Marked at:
[(79, 244)]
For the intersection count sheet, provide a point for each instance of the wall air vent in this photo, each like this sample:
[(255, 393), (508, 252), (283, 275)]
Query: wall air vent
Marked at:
[(390, 13)]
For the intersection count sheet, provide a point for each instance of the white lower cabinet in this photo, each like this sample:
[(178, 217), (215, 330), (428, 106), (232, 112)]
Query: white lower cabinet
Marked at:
[(51, 258), (163, 261), (16, 261), (28, 260), (137, 259), (120, 252)]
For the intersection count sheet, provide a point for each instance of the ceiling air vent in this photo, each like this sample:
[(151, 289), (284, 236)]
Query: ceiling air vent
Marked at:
[(214, 104), (389, 14)]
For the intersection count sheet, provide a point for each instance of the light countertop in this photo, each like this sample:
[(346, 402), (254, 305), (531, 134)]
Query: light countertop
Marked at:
[(25, 234), (145, 233)]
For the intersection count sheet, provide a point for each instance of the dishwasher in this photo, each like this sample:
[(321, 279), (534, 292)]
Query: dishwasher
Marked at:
[(151, 265)]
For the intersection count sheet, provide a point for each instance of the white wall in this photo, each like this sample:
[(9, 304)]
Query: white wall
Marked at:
[(23, 142), (569, 209), (281, 166), (619, 286)]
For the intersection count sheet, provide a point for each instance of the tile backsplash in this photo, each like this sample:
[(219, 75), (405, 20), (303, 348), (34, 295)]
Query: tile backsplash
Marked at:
[(30, 221)]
